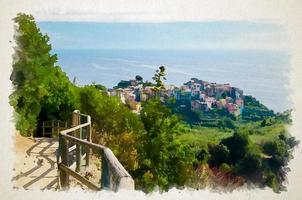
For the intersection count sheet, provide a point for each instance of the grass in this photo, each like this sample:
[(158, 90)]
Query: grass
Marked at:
[(201, 136), (268, 133)]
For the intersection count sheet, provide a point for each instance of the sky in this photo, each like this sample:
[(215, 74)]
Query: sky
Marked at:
[(169, 35)]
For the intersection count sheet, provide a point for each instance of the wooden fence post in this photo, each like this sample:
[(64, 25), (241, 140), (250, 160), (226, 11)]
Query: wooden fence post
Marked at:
[(88, 137), (43, 129), (58, 127), (79, 153), (76, 120), (52, 127), (105, 176), (63, 152)]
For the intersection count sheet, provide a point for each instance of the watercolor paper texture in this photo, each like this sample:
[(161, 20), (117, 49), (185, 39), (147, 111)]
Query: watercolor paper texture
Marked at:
[(186, 95)]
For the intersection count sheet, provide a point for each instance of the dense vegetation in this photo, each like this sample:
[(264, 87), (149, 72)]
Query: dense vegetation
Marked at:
[(41, 90), (163, 146), (138, 80), (253, 111)]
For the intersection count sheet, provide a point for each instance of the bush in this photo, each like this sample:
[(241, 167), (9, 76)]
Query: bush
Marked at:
[(202, 155), (225, 168), (279, 151), (110, 117), (238, 145), (249, 165), (219, 154), (272, 181), (254, 110)]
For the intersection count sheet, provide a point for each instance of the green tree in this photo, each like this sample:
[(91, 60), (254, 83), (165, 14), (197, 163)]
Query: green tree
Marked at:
[(162, 158), (99, 86), (280, 153), (249, 165), (139, 79), (202, 155), (254, 110), (276, 170), (238, 145), (123, 84), (41, 89), (158, 77), (108, 114), (113, 124), (219, 154)]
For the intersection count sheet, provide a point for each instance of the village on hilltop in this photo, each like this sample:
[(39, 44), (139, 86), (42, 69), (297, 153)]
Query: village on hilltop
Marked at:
[(203, 96)]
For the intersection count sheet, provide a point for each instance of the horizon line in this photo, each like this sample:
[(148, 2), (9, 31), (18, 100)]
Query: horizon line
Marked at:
[(178, 48)]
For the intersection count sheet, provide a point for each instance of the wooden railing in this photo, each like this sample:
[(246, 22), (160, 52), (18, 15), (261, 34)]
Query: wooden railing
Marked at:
[(78, 138), (53, 127)]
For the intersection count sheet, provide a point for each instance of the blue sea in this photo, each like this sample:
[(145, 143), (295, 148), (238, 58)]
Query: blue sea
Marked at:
[(263, 74)]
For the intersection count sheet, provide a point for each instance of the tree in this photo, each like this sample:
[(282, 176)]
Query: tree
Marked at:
[(158, 77), (41, 89), (161, 157), (123, 84), (254, 110), (113, 124), (219, 154), (108, 114), (279, 151), (99, 86), (249, 165), (238, 145), (202, 155), (139, 79)]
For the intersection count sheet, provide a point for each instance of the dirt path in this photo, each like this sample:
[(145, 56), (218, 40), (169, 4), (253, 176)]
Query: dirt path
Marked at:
[(35, 163)]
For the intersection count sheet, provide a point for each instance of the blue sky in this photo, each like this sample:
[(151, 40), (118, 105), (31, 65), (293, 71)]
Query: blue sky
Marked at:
[(176, 35)]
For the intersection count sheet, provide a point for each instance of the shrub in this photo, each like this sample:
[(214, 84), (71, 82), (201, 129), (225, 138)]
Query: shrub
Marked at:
[(219, 154), (225, 168), (238, 145)]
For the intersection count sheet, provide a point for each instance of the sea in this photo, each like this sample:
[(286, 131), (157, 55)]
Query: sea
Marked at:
[(263, 74)]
